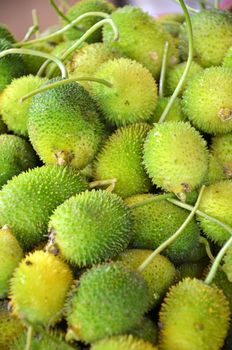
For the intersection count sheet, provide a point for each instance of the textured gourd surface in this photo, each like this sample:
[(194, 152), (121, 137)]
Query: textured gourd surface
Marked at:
[(123, 343)]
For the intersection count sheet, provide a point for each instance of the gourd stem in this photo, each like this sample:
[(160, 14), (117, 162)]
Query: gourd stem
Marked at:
[(29, 338), (157, 198), (163, 70), (204, 241)]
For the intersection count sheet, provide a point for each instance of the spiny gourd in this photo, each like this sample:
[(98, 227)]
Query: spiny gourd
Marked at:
[(132, 97), (192, 269), (212, 31), (35, 194), (227, 61), (227, 266), (6, 34), (193, 316), (39, 288), (14, 112), (155, 222), (10, 327), (146, 330), (3, 128), (159, 274), (221, 147), (175, 157), (10, 256), (109, 300), (16, 155), (80, 8), (175, 112), (121, 158), (11, 66), (174, 75), (215, 171), (221, 281), (91, 227), (141, 38), (87, 60), (207, 100), (216, 202), (171, 22), (64, 126), (123, 343)]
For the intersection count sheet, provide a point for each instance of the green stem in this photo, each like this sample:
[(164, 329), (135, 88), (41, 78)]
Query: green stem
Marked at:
[(34, 28), (171, 239), (188, 64), (204, 241), (150, 200), (63, 82), (29, 338), (100, 183), (202, 214), (62, 30), (60, 13), (217, 4), (191, 9), (163, 70), (217, 261), (39, 54), (35, 22)]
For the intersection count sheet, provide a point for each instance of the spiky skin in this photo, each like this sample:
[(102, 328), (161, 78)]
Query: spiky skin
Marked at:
[(216, 202), (174, 75), (194, 315), (11, 66), (35, 194), (121, 158), (16, 155), (146, 330), (175, 157), (175, 113), (159, 274), (10, 255), (14, 112), (91, 227), (10, 328), (192, 269), (103, 291), (215, 172), (222, 150), (129, 100), (64, 126), (227, 62), (141, 38), (207, 100), (79, 9), (212, 31), (123, 343), (3, 128), (151, 227), (87, 60), (227, 266), (39, 288), (6, 34)]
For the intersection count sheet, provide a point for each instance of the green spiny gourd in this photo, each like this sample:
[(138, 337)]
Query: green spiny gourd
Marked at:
[(91, 227), (215, 172), (222, 150), (11, 66), (146, 330), (6, 34), (132, 97), (194, 315), (175, 113), (212, 31), (16, 155), (109, 300), (80, 8), (216, 202), (10, 327), (10, 256), (141, 38), (64, 126), (171, 22), (192, 269), (159, 274), (3, 128), (39, 288), (174, 75), (151, 227), (227, 62), (87, 60), (227, 266), (35, 194), (176, 157), (123, 343), (121, 158), (207, 100), (221, 281)]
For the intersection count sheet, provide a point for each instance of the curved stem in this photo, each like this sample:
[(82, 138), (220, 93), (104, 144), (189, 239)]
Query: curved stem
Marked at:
[(202, 214), (39, 54), (29, 338), (163, 70), (59, 12), (217, 4), (98, 183), (204, 241), (62, 30), (35, 22), (216, 263), (188, 64), (158, 198), (191, 9), (63, 82), (165, 244)]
